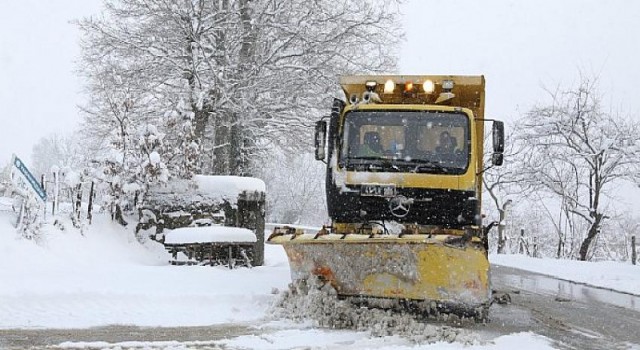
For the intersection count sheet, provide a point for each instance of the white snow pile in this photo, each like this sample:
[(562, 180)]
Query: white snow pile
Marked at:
[(103, 276), (209, 234), (324, 309)]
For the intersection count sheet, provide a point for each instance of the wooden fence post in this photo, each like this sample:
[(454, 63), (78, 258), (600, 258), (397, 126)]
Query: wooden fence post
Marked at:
[(21, 213), (43, 184), (634, 255), (90, 206), (78, 204), (54, 202)]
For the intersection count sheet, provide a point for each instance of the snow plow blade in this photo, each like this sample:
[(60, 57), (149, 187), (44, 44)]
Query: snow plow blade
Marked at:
[(446, 270)]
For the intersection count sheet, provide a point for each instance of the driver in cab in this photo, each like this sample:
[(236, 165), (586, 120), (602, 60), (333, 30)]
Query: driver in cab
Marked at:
[(371, 146), (447, 152), (446, 144)]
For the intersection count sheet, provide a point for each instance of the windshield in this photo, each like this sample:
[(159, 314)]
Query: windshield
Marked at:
[(415, 141)]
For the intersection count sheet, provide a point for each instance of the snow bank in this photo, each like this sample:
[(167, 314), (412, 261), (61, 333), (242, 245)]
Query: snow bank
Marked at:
[(104, 276), (605, 274), (209, 234)]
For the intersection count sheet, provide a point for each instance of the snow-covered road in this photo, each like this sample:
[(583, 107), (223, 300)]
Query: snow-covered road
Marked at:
[(574, 315), (567, 316)]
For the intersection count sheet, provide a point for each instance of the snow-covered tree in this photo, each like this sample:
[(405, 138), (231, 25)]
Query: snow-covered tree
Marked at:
[(181, 145), (56, 150), (120, 135), (576, 151), (5, 179), (502, 187), (152, 169), (31, 216), (620, 247), (296, 189), (248, 74)]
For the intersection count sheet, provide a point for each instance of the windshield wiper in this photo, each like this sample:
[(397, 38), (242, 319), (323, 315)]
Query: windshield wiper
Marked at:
[(396, 165), (366, 158), (429, 165), (374, 163)]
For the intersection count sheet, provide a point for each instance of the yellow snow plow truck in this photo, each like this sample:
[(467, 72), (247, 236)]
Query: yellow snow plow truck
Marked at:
[(404, 161)]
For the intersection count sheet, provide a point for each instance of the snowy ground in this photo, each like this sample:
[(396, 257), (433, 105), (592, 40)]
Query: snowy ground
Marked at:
[(104, 277)]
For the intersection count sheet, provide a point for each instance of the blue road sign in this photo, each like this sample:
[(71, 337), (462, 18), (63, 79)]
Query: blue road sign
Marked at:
[(30, 178)]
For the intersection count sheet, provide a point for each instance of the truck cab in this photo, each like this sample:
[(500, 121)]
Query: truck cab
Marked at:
[(407, 149)]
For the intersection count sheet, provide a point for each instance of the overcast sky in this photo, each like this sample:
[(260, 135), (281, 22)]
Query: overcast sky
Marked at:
[(520, 46), (39, 91), (523, 46)]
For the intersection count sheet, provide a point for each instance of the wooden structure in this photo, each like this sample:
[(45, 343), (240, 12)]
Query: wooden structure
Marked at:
[(186, 205)]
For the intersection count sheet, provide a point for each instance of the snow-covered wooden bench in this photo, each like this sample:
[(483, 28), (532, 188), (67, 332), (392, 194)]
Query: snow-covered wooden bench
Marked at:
[(211, 245), (198, 208)]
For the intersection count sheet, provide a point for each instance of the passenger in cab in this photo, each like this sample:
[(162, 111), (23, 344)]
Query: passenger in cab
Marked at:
[(446, 144)]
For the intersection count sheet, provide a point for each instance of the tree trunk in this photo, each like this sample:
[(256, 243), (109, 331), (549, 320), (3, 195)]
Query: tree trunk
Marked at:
[(248, 35), (501, 238), (118, 216), (634, 255), (560, 246), (237, 155), (221, 144), (591, 235)]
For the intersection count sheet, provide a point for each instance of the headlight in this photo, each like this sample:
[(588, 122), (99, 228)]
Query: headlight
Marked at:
[(428, 86), (389, 86)]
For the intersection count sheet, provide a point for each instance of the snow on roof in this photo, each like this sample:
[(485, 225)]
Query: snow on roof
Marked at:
[(204, 189), (230, 186), (209, 234)]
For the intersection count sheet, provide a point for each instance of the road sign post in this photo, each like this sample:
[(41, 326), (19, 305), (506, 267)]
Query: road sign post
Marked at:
[(22, 178)]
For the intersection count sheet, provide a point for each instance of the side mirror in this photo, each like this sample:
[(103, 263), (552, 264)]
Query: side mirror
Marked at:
[(320, 139), (497, 159), (498, 143), (498, 137)]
